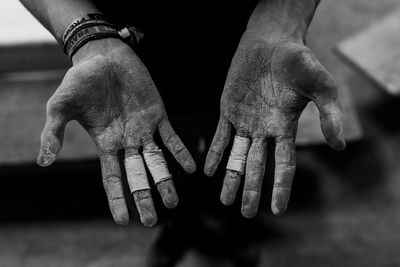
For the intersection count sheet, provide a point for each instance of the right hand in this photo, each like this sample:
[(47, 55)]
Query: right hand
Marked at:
[(111, 94)]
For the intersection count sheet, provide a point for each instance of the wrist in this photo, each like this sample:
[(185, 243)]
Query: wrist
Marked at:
[(96, 48), (282, 19)]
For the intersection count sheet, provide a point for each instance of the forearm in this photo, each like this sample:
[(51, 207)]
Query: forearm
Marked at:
[(288, 17), (56, 15)]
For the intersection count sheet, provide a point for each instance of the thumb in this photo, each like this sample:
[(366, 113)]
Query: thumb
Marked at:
[(331, 122), (52, 135), (319, 85)]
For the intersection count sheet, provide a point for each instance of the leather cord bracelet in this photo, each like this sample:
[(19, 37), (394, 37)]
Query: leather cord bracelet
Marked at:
[(95, 27), (83, 36), (73, 25)]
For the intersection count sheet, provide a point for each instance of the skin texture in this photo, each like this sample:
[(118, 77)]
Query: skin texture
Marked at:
[(111, 94), (272, 77)]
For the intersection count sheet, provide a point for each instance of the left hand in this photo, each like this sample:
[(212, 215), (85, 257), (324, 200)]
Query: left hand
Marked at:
[(269, 84)]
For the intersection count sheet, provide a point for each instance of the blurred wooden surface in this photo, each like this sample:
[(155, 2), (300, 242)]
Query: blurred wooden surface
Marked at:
[(376, 51)]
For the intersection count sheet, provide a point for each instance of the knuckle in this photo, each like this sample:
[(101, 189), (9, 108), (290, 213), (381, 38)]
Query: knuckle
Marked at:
[(112, 179)]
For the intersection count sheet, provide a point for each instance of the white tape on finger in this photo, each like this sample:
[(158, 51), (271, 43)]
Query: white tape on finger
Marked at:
[(156, 163), (237, 158), (136, 173)]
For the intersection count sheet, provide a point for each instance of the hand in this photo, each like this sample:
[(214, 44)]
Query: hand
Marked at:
[(111, 94), (269, 83)]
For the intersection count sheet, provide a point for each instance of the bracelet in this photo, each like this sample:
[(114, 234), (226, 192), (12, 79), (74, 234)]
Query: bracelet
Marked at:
[(95, 27), (77, 22), (84, 35)]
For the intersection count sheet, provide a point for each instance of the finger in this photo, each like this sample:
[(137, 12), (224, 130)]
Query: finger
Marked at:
[(52, 135), (326, 98), (285, 165), (310, 75), (255, 169), (331, 122), (230, 187), (139, 186), (168, 193), (157, 166), (235, 169), (174, 144), (114, 189), (218, 145)]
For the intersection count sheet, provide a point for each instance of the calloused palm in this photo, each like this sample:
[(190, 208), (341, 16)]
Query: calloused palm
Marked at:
[(114, 98), (268, 86)]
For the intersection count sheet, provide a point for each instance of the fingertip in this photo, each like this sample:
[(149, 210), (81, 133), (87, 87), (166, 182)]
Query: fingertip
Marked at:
[(45, 158), (208, 169), (121, 219), (250, 201), (190, 167), (332, 128), (277, 208), (168, 193), (277, 211), (226, 199), (119, 210), (230, 187), (339, 145), (211, 165), (248, 213), (149, 220), (145, 207)]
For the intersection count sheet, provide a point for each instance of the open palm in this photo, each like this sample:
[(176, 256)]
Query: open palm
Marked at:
[(268, 86), (114, 98)]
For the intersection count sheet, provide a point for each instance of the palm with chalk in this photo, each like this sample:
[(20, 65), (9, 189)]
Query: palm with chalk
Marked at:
[(111, 94), (272, 77)]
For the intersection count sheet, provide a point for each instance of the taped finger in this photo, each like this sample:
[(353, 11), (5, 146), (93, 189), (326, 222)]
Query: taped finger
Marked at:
[(140, 187), (136, 173), (158, 168), (237, 158), (156, 163)]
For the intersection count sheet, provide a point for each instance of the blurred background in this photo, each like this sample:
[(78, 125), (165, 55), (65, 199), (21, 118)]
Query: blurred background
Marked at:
[(344, 209)]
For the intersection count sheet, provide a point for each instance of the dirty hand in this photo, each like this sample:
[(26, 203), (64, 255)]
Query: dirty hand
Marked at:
[(272, 77), (111, 94)]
